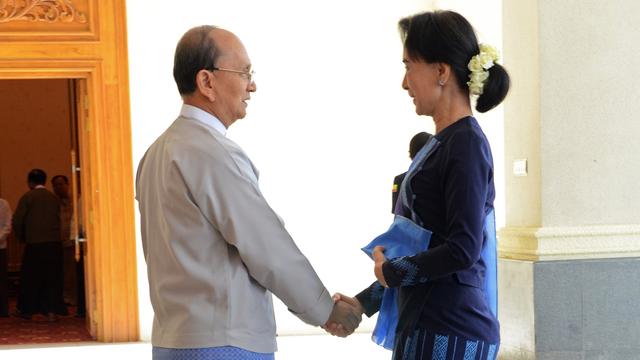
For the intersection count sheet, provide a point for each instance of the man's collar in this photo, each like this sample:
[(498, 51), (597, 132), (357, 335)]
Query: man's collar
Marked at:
[(192, 112)]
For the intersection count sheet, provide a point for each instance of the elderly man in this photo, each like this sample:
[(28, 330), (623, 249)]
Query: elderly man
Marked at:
[(215, 250)]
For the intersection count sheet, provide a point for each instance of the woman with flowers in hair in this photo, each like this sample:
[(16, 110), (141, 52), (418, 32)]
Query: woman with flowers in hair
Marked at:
[(446, 293)]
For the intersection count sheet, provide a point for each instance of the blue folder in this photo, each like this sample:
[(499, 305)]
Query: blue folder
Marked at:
[(404, 238)]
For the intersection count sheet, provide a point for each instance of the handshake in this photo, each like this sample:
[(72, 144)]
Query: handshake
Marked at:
[(345, 317)]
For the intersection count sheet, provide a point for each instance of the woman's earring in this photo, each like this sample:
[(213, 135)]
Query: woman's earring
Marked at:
[(441, 82)]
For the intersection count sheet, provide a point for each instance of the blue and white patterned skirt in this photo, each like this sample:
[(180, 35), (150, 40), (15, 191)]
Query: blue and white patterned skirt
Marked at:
[(212, 353), (422, 344)]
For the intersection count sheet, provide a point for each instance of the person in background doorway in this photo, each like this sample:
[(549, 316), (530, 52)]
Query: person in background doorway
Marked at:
[(5, 229), (60, 184), (416, 143), (36, 223)]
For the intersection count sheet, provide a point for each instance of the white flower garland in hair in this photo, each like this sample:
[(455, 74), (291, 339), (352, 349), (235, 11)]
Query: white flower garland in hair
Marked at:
[(479, 66)]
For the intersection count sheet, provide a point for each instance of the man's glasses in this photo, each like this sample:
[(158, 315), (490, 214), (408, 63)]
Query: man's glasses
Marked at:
[(249, 75)]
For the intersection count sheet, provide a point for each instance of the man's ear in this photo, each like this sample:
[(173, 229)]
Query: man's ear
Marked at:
[(205, 83)]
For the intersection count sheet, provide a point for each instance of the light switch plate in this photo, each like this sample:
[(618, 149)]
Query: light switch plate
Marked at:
[(520, 167)]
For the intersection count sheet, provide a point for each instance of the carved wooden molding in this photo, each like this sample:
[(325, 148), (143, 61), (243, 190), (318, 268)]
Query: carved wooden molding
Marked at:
[(40, 11)]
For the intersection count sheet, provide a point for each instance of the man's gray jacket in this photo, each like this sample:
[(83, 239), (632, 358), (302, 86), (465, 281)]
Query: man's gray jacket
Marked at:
[(215, 250)]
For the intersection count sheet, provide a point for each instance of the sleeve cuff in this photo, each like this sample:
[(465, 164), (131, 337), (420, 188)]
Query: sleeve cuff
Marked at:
[(318, 313), (392, 275), (370, 298)]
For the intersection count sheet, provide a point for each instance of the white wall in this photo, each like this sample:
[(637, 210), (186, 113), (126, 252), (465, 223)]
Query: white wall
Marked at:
[(328, 127), (591, 88)]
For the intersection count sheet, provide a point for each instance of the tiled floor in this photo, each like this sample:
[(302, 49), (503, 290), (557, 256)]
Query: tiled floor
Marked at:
[(308, 347)]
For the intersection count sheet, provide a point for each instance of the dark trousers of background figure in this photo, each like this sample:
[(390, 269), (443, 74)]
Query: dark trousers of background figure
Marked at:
[(4, 284), (69, 266), (41, 280), (81, 309)]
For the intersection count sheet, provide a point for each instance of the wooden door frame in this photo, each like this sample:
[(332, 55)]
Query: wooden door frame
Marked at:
[(97, 56), (107, 183)]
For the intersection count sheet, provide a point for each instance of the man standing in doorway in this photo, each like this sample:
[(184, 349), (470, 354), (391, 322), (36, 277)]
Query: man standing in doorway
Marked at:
[(36, 223), (5, 229), (215, 250), (60, 184)]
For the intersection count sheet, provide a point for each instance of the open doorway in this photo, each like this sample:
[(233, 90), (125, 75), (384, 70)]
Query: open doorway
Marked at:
[(38, 129), (86, 41)]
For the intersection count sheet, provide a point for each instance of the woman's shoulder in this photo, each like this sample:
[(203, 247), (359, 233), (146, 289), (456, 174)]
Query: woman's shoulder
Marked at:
[(464, 133), (467, 141), (467, 126)]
